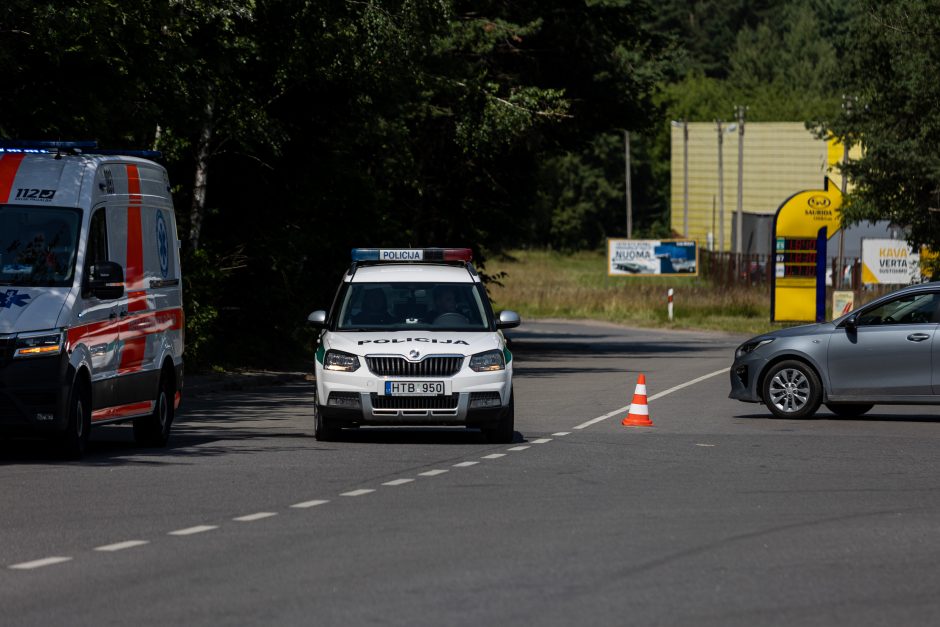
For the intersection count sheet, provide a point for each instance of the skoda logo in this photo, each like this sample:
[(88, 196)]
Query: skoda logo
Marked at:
[(414, 354), (818, 202)]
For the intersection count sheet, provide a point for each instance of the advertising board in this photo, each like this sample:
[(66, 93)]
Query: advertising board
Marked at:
[(648, 257)]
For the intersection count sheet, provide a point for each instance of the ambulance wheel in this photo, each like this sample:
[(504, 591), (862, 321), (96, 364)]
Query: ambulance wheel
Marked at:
[(154, 429), (79, 426), (505, 429), (323, 431)]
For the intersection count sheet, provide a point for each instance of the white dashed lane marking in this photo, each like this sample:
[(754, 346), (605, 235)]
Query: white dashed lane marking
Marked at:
[(120, 546), (254, 517), (48, 561), (398, 482), (431, 473), (494, 456), (193, 530), (357, 492), (542, 441), (561, 434), (465, 464), (518, 448), (306, 504)]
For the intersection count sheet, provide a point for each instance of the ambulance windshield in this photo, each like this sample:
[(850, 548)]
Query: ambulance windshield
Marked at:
[(38, 245), (407, 306)]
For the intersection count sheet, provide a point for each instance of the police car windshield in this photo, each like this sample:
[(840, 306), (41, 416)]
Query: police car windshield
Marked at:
[(407, 306), (38, 245)]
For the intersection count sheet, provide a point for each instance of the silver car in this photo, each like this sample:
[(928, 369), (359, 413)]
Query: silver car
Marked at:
[(881, 353)]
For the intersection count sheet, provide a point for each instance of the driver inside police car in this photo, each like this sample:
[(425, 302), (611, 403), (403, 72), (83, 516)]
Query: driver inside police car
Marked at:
[(445, 301)]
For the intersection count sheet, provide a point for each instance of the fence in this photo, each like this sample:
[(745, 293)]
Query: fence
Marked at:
[(751, 270)]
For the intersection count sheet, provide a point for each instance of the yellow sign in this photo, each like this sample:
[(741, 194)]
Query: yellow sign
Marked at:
[(802, 226)]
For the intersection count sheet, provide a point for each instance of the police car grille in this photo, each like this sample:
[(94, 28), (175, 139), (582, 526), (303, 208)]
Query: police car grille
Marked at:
[(415, 402), (399, 367)]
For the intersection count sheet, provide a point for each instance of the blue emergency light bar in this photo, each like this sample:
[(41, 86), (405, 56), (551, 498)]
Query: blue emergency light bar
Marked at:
[(79, 147), (412, 254)]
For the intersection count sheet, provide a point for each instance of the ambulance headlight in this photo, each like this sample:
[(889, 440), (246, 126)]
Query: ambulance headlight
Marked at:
[(39, 344), (488, 361), (338, 360)]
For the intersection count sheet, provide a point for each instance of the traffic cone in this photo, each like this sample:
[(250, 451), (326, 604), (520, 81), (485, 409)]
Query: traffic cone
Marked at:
[(639, 414)]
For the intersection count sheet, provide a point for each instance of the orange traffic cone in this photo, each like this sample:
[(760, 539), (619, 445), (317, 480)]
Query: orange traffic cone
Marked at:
[(639, 414)]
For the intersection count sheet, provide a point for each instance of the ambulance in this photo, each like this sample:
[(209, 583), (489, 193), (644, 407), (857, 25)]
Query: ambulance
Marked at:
[(91, 318), (411, 339)]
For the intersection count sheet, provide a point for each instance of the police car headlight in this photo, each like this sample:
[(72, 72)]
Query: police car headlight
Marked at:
[(338, 360), (488, 361), (39, 344)]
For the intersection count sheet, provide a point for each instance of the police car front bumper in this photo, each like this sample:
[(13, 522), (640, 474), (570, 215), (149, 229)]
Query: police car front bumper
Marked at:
[(476, 400)]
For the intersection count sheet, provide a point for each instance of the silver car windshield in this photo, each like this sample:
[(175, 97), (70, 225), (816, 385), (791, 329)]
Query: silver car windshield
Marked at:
[(407, 306), (38, 245)]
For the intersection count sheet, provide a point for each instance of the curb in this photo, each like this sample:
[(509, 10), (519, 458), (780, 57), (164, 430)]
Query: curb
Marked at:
[(200, 384)]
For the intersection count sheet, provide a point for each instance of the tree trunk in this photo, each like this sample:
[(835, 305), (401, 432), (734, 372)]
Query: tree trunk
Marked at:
[(198, 208)]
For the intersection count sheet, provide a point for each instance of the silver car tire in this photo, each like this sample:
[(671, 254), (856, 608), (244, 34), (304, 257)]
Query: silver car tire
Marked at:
[(792, 390)]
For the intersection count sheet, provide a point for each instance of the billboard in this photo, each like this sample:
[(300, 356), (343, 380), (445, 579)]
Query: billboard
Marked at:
[(651, 257), (889, 261)]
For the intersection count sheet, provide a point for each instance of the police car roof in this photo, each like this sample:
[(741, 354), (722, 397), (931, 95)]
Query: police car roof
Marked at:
[(413, 273)]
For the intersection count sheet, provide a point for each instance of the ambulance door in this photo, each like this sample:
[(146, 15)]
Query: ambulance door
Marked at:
[(97, 323)]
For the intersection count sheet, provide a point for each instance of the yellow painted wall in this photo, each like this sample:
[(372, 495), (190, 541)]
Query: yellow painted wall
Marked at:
[(780, 159)]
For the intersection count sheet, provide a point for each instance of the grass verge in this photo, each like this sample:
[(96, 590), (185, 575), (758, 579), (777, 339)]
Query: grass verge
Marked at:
[(548, 284)]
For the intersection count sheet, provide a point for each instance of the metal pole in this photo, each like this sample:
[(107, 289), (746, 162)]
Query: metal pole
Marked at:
[(626, 160), (739, 237), (839, 283), (721, 190), (685, 178)]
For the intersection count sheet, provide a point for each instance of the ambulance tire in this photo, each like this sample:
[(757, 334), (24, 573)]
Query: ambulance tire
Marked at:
[(505, 430), (153, 430), (323, 431), (75, 442)]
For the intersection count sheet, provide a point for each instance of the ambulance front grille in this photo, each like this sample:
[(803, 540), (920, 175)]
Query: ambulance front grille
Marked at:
[(429, 367)]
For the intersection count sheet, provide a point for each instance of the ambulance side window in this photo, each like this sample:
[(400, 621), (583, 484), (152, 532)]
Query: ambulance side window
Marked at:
[(97, 239)]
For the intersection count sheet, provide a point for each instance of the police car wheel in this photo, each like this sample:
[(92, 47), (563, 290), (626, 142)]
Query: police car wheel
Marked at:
[(505, 429), (154, 429), (79, 425), (323, 431)]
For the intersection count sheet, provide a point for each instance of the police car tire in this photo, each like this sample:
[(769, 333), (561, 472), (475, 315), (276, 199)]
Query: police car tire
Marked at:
[(154, 429), (323, 431), (505, 429), (79, 425)]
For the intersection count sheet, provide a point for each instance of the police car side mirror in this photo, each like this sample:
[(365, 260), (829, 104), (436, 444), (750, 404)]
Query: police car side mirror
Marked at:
[(105, 281), (317, 318), (508, 319)]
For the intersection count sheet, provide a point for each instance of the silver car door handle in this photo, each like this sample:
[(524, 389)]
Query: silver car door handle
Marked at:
[(918, 337)]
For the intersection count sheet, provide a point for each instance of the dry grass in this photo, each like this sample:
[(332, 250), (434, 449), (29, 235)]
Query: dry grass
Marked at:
[(546, 284)]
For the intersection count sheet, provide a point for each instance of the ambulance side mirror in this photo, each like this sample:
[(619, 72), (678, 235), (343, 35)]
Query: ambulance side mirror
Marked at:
[(317, 318), (105, 281), (508, 319)]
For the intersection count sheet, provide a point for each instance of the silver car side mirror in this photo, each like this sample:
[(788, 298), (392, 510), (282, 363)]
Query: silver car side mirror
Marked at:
[(317, 318)]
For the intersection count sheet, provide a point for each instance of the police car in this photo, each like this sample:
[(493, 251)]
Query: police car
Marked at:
[(411, 339)]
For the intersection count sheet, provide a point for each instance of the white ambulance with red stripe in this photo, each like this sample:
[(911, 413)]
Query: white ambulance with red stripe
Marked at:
[(91, 318)]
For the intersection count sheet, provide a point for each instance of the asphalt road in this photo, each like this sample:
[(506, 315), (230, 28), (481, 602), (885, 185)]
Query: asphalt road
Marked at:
[(717, 515)]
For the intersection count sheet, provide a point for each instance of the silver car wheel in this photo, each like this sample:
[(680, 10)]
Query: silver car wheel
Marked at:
[(789, 390)]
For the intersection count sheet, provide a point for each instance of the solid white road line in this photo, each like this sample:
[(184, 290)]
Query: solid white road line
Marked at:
[(357, 492), (431, 473), (494, 456), (191, 530), (587, 424), (517, 448), (561, 433), (398, 482), (465, 464), (49, 561), (120, 546), (254, 517), (306, 504), (542, 441)]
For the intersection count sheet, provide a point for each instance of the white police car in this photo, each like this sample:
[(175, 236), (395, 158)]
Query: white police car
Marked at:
[(411, 339)]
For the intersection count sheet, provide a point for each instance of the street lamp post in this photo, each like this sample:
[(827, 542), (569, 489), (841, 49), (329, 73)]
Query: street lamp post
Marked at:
[(628, 191), (738, 242)]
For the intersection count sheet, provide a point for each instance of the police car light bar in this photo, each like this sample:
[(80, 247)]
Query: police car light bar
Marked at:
[(412, 254)]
